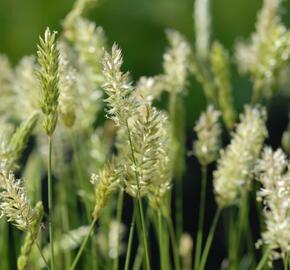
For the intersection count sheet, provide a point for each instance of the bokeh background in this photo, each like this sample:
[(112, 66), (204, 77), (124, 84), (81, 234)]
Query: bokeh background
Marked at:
[(138, 27)]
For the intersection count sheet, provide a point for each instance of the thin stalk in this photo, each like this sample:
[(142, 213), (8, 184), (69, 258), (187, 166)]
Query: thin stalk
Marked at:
[(174, 244), (178, 191), (263, 260), (209, 240), (179, 209), (130, 240), (139, 202), (50, 214), (83, 244), (138, 259), (232, 248), (41, 254), (200, 218), (119, 219), (160, 233), (140, 207)]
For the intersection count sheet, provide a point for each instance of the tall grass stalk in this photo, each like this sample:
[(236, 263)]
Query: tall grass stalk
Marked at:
[(50, 203), (173, 243), (119, 220), (161, 242), (263, 260), (209, 240), (200, 218), (83, 245), (130, 240)]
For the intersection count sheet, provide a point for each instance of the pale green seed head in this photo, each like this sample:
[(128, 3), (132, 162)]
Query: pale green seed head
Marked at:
[(48, 75)]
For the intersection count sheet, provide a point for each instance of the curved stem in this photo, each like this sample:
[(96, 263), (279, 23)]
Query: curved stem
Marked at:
[(75, 262), (119, 219), (41, 254), (131, 234), (200, 218), (209, 240), (263, 260), (49, 183)]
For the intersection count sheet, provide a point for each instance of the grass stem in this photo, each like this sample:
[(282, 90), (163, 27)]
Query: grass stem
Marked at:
[(75, 262), (209, 240), (50, 203), (119, 220), (200, 218)]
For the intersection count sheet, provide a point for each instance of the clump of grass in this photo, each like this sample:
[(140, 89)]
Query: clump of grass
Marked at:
[(138, 151)]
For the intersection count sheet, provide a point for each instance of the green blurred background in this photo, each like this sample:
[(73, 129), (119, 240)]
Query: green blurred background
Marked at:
[(138, 27)]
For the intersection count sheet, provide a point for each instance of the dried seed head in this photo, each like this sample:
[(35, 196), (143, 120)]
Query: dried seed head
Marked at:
[(221, 73), (26, 87), (267, 52), (67, 87), (202, 19), (19, 141), (233, 174), (105, 182), (175, 62), (207, 146), (48, 75), (14, 204), (272, 170), (149, 147), (118, 88), (31, 237)]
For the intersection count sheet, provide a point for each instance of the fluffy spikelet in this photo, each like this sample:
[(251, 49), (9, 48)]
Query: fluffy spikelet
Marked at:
[(30, 238), (26, 87), (208, 130), (202, 19), (220, 67), (79, 9), (175, 62), (67, 87), (105, 182), (14, 205), (6, 75), (149, 88), (88, 44), (267, 52), (233, 174), (118, 88), (48, 58), (19, 140), (149, 159), (271, 170)]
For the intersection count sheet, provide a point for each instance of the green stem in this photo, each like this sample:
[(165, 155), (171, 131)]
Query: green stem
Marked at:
[(232, 248), (49, 182), (130, 240), (138, 258), (83, 244), (140, 207), (41, 254), (200, 218), (160, 233), (174, 244), (263, 260), (209, 240), (119, 219)]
